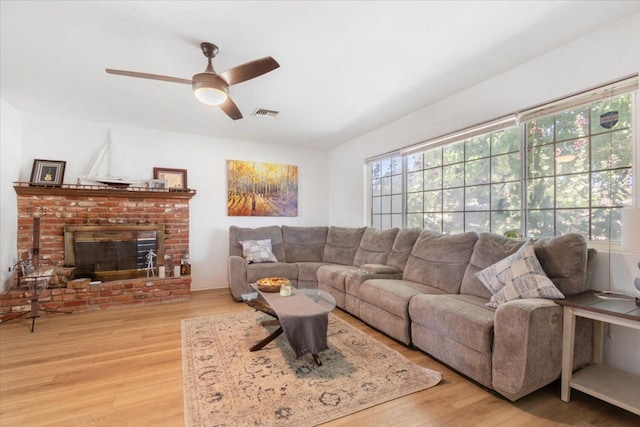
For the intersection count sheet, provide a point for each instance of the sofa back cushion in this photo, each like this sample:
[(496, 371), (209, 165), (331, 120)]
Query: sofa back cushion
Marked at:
[(563, 259), (304, 244), (273, 233), (402, 246), (489, 249), (375, 246), (342, 244), (440, 260)]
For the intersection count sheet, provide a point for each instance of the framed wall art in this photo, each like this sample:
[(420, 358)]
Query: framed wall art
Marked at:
[(261, 189), (176, 178), (47, 172)]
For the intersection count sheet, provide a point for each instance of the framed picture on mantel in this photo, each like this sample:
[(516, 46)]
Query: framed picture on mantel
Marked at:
[(47, 172), (176, 178)]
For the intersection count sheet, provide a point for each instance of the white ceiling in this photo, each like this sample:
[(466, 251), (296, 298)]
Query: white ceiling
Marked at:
[(346, 68)]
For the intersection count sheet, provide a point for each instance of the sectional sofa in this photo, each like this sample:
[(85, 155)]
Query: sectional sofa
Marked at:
[(437, 292)]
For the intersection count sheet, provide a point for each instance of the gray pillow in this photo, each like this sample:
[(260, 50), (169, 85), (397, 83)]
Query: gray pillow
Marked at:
[(519, 275), (257, 251)]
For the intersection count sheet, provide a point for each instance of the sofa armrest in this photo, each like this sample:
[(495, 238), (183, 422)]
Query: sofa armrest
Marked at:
[(527, 348), (356, 277), (237, 276), (380, 269)]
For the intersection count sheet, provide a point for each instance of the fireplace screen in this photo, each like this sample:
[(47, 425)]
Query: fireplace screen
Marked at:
[(113, 252)]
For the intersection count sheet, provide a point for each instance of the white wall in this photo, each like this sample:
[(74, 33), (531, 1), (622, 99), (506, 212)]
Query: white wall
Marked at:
[(10, 143), (136, 151), (606, 55)]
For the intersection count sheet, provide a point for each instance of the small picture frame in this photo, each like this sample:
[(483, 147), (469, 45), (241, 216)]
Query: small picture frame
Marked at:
[(48, 172), (160, 184), (176, 178)]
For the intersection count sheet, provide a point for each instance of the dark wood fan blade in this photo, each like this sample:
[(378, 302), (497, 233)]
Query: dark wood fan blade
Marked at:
[(248, 71), (148, 76), (231, 109)]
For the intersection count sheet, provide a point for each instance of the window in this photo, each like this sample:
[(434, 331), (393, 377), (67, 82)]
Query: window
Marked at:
[(566, 167), (468, 185), (386, 192), (579, 170)]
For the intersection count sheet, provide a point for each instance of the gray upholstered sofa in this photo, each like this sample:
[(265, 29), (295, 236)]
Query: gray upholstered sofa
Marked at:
[(420, 288)]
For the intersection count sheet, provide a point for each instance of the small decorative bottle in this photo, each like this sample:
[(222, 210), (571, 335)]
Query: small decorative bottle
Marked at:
[(185, 267)]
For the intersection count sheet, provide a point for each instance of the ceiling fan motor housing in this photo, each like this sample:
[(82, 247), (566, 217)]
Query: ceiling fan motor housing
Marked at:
[(210, 88)]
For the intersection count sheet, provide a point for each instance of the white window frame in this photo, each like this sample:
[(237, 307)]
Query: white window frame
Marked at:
[(625, 85)]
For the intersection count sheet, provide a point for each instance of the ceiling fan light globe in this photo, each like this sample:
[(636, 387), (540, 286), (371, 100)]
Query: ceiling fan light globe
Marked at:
[(210, 89), (210, 96)]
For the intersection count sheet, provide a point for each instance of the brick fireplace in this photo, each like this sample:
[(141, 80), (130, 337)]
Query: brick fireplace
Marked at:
[(80, 205)]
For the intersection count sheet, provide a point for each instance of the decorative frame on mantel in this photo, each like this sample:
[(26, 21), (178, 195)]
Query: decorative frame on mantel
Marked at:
[(261, 189), (47, 172), (176, 178)]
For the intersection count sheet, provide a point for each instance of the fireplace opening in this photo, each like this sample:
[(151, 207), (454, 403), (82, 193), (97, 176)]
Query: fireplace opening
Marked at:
[(113, 252)]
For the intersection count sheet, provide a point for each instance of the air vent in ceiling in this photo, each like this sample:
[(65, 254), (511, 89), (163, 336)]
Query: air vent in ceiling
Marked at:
[(261, 112)]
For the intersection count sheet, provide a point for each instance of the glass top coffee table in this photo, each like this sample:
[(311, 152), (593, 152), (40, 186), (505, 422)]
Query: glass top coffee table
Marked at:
[(305, 310), (323, 298)]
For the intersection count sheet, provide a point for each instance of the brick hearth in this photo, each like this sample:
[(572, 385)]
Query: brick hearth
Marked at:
[(91, 205), (117, 293)]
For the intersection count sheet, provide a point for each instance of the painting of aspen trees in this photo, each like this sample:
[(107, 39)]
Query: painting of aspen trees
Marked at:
[(261, 189)]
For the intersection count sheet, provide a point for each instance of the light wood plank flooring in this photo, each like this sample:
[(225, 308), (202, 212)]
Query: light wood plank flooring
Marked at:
[(122, 367)]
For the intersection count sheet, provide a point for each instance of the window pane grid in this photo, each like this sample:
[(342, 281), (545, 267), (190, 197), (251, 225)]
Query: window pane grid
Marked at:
[(579, 179), (387, 189), (473, 184), (570, 171)]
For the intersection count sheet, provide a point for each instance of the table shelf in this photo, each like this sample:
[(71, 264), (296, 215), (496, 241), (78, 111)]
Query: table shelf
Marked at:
[(612, 385)]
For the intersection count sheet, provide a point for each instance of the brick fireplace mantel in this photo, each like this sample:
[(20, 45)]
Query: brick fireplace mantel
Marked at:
[(100, 205)]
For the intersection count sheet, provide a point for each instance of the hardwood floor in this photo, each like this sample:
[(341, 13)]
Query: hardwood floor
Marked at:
[(122, 367)]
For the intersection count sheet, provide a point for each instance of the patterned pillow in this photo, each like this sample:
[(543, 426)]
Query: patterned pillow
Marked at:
[(257, 251), (519, 275)]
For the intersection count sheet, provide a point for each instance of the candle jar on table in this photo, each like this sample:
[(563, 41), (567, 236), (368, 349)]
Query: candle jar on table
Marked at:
[(285, 290)]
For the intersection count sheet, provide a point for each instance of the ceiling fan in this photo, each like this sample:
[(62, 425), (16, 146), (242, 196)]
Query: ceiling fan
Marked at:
[(212, 88)]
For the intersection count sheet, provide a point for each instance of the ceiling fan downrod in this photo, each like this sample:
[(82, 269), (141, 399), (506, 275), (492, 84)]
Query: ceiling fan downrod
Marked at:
[(209, 50)]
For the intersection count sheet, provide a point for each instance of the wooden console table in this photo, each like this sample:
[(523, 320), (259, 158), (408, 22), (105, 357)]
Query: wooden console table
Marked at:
[(606, 383)]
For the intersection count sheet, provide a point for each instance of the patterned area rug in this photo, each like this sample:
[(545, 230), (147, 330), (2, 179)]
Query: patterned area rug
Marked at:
[(227, 385)]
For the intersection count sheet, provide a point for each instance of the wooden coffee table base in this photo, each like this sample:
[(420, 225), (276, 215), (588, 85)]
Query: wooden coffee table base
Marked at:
[(273, 335)]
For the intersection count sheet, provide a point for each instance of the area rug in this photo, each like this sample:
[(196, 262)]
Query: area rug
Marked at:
[(227, 385)]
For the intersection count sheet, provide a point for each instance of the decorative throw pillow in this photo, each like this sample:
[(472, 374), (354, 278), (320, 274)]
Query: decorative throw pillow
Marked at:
[(257, 251), (519, 275)]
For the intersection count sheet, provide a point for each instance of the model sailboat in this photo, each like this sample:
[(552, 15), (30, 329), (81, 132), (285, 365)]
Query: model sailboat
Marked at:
[(101, 170)]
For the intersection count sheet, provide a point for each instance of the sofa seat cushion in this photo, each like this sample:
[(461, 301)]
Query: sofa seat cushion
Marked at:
[(308, 271), (354, 280), (393, 296), (461, 318), (334, 275), (276, 269)]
